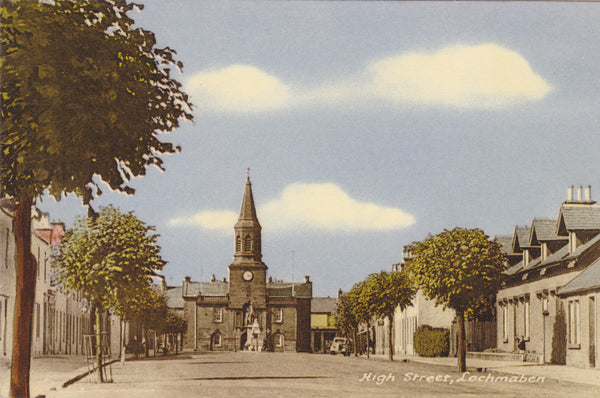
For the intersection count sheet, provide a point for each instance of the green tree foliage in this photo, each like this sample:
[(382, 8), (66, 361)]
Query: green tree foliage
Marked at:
[(383, 293), (111, 259), (458, 269), (84, 97), (351, 311), (84, 93)]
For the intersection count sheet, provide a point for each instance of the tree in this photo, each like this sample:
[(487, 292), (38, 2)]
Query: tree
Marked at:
[(345, 317), (91, 114), (459, 269), (111, 259), (175, 325), (386, 291)]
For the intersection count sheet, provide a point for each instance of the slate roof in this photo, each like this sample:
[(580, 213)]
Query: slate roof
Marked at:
[(520, 238), (505, 242), (284, 289), (588, 279), (208, 289), (323, 305), (578, 217), (174, 298), (543, 230), (515, 268)]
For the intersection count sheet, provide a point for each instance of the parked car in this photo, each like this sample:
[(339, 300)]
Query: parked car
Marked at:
[(340, 345)]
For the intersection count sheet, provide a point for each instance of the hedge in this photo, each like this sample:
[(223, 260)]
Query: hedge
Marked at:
[(432, 342)]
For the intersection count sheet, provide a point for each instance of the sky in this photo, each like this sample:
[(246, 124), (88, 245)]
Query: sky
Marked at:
[(366, 125)]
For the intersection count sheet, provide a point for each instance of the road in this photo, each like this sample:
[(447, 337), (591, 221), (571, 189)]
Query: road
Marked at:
[(247, 374)]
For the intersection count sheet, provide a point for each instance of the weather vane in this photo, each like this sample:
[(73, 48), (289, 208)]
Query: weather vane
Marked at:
[(248, 172)]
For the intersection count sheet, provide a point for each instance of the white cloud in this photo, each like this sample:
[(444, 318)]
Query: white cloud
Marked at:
[(486, 75), (222, 220), (324, 207), (328, 207), (480, 76), (238, 88)]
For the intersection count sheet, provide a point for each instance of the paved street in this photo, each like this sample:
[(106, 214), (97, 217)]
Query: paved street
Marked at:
[(309, 375)]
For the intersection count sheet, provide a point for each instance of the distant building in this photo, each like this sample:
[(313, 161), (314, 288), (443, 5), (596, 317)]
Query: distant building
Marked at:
[(323, 327), (247, 312)]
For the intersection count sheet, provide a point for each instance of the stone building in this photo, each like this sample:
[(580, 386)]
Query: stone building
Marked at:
[(248, 311), (557, 273)]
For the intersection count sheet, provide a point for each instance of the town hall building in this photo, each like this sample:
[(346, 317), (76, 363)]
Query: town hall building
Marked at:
[(249, 311)]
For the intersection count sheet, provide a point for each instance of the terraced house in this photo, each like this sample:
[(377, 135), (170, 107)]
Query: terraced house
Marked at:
[(553, 289)]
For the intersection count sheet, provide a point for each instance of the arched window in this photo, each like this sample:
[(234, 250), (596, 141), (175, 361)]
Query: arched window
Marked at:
[(238, 244), (248, 243)]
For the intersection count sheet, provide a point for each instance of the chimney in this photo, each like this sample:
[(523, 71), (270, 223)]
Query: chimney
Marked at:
[(270, 280), (186, 283), (579, 189), (213, 278), (588, 193), (570, 194), (340, 292), (224, 280), (307, 279)]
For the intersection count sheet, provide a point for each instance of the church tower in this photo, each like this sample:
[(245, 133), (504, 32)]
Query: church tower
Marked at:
[(247, 273)]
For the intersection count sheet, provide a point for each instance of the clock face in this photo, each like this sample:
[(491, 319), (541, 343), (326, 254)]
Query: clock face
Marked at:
[(247, 276)]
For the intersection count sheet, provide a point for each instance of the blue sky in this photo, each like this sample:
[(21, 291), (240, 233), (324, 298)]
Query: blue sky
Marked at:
[(366, 125)]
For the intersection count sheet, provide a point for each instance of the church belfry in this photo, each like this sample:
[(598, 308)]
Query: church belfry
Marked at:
[(247, 273), (247, 230)]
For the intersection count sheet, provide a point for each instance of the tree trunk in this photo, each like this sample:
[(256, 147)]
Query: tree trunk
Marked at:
[(462, 347), (123, 340), (368, 342), (354, 342), (99, 345), (24, 300), (390, 338)]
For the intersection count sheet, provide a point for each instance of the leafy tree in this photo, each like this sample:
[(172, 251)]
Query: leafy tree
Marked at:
[(459, 269), (84, 96), (111, 259), (345, 317), (384, 292), (175, 325)]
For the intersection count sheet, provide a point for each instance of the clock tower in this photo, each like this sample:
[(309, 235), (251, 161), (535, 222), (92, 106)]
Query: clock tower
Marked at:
[(247, 273)]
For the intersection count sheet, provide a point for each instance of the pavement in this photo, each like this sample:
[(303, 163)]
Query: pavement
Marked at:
[(52, 373)]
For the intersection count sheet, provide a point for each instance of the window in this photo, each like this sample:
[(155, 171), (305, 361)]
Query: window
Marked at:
[(526, 320), (248, 243), (218, 314), (278, 315), (545, 305), (573, 324), (505, 323), (217, 340), (238, 244)]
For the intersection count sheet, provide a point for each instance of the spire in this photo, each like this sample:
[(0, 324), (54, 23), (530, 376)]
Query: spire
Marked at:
[(247, 229), (248, 210)]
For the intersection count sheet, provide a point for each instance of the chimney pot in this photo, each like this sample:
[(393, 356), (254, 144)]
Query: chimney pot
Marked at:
[(340, 292), (579, 189), (588, 193), (570, 194), (307, 279), (213, 278)]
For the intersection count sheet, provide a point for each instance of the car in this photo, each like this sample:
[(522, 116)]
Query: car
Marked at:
[(340, 345)]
